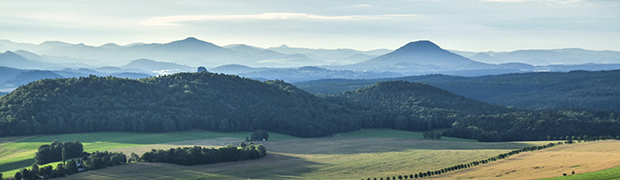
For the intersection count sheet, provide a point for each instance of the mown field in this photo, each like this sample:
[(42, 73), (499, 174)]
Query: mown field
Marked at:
[(352, 155), (590, 160), (362, 154)]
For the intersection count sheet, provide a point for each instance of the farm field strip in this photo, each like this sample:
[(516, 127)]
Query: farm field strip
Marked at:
[(552, 162)]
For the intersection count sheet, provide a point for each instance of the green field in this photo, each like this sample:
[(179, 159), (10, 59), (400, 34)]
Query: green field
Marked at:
[(613, 173), (17, 152)]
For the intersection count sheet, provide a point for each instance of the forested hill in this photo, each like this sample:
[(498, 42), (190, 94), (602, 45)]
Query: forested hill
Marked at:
[(181, 101), (594, 90), (219, 102), (404, 96), (414, 106)]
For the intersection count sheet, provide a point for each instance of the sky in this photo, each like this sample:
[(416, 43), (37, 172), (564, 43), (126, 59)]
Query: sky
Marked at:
[(468, 25)]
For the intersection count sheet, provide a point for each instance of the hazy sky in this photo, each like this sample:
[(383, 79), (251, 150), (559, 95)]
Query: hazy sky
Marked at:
[(474, 25)]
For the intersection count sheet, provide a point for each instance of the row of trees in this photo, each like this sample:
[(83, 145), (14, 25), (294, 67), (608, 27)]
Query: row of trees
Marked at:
[(100, 160), (48, 172), (535, 125), (200, 155), (468, 165), (583, 138)]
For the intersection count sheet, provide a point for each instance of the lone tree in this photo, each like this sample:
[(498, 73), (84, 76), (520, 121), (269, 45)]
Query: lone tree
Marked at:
[(260, 135)]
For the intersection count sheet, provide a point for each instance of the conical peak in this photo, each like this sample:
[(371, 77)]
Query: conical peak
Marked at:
[(424, 45)]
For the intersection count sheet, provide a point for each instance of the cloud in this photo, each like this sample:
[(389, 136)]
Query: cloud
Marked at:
[(505, 1), (543, 1), (173, 20), (362, 5)]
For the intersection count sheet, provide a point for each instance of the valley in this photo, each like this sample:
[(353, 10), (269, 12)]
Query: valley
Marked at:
[(374, 131), (371, 90), (355, 155)]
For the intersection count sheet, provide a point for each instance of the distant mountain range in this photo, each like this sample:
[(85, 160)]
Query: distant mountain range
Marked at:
[(570, 56), (299, 74), (288, 63), (190, 51), (195, 52), (11, 78), (425, 57)]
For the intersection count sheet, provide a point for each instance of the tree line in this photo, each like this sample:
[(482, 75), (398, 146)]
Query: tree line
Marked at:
[(201, 155), (182, 155)]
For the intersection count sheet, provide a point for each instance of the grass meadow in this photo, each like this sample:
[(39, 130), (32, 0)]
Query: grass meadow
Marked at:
[(17, 152)]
